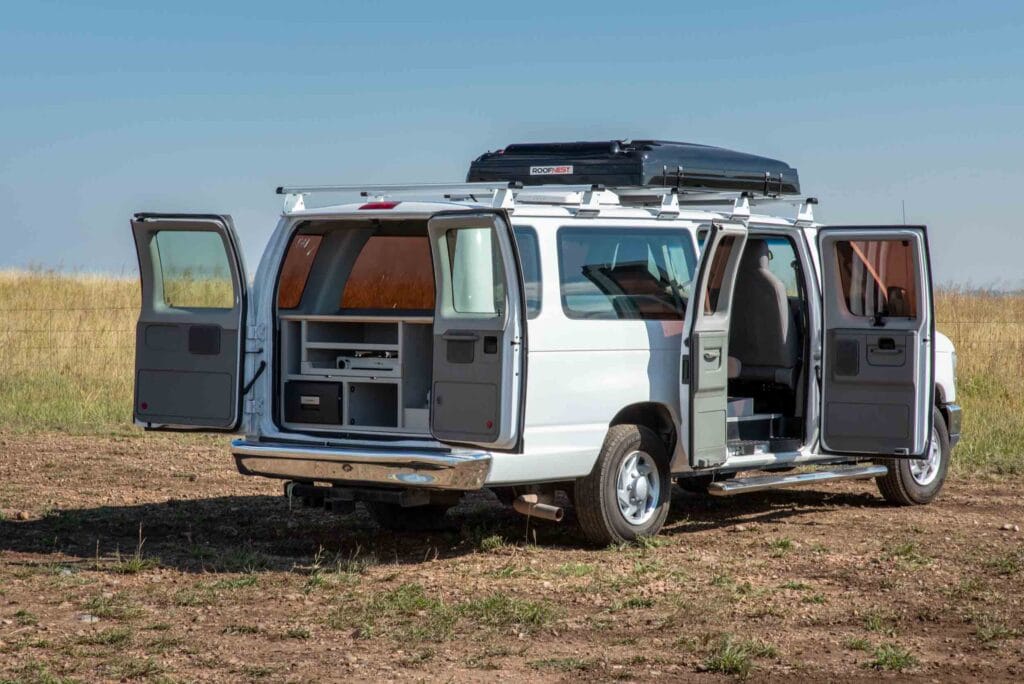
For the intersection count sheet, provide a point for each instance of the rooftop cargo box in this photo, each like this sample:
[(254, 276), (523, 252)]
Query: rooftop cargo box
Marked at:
[(636, 163)]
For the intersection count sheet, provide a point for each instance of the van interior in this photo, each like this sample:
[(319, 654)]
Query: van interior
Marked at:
[(767, 349), (355, 307)]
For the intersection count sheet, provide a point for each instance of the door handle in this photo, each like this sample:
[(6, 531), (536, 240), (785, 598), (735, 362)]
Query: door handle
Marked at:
[(710, 356), (460, 336)]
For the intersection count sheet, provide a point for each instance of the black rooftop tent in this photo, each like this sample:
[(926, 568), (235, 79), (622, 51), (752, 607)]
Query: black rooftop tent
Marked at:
[(636, 163)]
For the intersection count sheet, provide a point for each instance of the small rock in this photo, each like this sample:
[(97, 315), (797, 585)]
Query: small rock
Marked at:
[(87, 618), (739, 528), (22, 515)]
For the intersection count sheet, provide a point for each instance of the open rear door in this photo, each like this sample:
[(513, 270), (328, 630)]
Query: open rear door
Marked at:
[(188, 342), (479, 367), (706, 355), (878, 351)]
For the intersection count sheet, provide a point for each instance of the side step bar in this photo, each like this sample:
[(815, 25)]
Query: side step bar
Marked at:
[(742, 485)]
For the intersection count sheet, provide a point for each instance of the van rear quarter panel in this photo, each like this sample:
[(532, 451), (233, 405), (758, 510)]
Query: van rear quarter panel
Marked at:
[(581, 373)]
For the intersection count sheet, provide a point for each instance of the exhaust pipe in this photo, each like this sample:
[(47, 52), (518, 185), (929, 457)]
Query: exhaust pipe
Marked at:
[(531, 506)]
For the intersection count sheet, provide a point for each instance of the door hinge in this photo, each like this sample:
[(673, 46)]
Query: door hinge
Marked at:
[(254, 336)]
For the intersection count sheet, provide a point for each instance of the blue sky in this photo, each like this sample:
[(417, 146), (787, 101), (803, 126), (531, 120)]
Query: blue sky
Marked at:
[(206, 106)]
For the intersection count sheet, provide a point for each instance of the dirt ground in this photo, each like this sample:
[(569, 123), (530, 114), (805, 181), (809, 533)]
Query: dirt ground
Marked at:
[(230, 583)]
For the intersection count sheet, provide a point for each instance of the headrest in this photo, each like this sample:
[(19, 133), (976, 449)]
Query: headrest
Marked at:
[(755, 255)]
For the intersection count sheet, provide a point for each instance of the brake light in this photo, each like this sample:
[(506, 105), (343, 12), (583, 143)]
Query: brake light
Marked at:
[(376, 206)]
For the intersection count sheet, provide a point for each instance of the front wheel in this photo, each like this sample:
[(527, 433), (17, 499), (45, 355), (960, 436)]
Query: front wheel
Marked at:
[(628, 493), (916, 481)]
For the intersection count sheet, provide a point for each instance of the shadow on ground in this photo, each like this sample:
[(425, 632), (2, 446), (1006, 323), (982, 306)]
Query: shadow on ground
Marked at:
[(261, 533)]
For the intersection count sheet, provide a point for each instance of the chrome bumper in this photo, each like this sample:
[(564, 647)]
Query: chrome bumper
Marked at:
[(954, 417), (398, 468)]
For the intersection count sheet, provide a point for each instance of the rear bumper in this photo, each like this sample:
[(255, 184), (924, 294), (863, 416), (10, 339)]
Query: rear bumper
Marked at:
[(463, 471), (954, 417)]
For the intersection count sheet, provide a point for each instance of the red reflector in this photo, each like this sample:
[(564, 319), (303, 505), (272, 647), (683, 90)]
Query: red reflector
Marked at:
[(380, 205)]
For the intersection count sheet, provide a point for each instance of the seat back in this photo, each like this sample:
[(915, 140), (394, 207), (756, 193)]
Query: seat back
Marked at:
[(763, 336)]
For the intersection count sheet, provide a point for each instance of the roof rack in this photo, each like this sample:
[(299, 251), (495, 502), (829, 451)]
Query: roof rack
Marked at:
[(502, 195)]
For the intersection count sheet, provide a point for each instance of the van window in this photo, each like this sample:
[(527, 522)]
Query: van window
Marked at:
[(295, 271), (625, 273), (529, 260), (391, 272), (477, 276), (194, 270), (878, 277)]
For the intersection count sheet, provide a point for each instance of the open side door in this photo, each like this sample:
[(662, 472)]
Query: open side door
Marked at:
[(878, 355), (479, 367), (191, 330), (706, 354)]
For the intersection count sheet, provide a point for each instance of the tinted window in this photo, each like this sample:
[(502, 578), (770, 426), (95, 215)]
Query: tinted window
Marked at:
[(295, 271), (878, 277), (529, 259), (391, 272), (194, 270), (717, 273), (624, 273)]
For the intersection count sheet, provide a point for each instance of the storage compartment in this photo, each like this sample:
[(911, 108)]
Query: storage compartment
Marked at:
[(312, 402), (380, 365), (372, 404)]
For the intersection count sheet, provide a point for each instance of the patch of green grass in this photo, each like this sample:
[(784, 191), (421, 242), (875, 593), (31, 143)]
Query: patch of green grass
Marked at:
[(729, 657), (575, 569), (193, 596), (300, 633), (504, 612), (1008, 563), (116, 607), (136, 668), (163, 643), (633, 603), (990, 630), (418, 658), (564, 664), (880, 622), (814, 598), (35, 672), (780, 547), (26, 618), (908, 554), (651, 542), (892, 657), (236, 628), (494, 542), (107, 637), (232, 583), (795, 586), (858, 644)]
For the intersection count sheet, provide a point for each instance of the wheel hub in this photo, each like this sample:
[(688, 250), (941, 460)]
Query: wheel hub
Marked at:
[(638, 487), (925, 470)]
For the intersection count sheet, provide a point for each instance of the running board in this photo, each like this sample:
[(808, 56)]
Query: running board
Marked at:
[(741, 485)]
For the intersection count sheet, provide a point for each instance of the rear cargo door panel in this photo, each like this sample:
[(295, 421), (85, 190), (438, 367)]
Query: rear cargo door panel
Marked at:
[(189, 337), (479, 356), (878, 365)]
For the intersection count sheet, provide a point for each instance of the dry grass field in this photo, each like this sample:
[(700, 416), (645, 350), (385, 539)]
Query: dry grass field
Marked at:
[(144, 557), (68, 352)]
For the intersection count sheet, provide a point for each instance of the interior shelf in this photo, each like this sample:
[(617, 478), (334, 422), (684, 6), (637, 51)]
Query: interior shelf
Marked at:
[(367, 374)]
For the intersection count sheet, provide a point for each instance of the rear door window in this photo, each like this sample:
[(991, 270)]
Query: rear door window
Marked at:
[(625, 273), (878, 277)]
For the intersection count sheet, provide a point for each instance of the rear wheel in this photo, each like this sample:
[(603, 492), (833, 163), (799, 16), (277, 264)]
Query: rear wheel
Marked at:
[(627, 495), (397, 518), (913, 482)]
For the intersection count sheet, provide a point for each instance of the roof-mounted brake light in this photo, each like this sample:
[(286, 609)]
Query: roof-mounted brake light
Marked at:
[(378, 206)]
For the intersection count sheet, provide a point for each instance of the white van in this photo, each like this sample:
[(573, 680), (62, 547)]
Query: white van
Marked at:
[(599, 341)]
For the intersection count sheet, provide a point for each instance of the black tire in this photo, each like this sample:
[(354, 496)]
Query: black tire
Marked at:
[(395, 518), (597, 507), (899, 487)]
